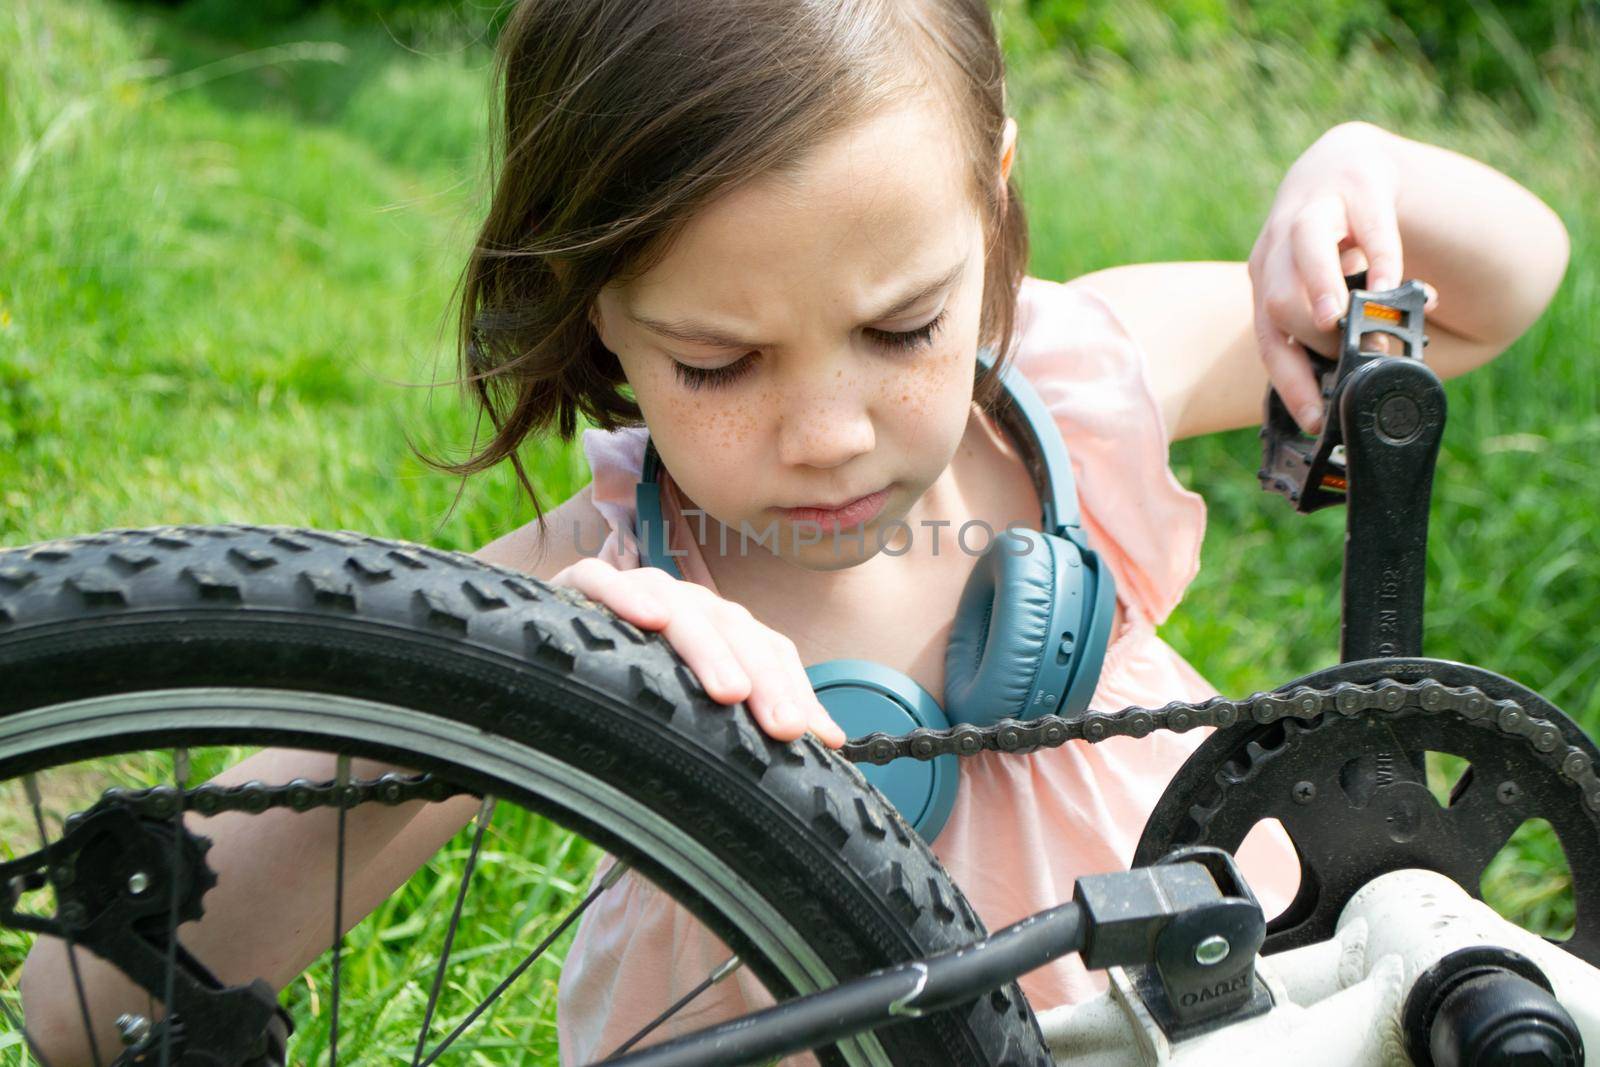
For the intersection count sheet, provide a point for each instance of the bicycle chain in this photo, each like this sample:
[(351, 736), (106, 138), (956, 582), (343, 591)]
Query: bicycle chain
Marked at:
[(1007, 735), (1301, 702), (298, 794)]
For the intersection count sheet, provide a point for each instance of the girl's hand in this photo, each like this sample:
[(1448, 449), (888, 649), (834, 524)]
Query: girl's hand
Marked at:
[(733, 655), (1334, 210)]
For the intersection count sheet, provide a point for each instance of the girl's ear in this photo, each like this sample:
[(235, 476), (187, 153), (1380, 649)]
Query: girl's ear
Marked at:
[(595, 320), (1008, 149)]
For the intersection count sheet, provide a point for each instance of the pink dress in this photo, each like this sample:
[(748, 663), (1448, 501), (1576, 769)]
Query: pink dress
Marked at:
[(1024, 827)]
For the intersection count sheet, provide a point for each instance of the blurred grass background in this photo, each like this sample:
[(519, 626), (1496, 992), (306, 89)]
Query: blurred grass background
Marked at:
[(229, 235)]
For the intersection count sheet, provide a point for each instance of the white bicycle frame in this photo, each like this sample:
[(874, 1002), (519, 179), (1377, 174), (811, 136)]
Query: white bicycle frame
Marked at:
[(1337, 1003)]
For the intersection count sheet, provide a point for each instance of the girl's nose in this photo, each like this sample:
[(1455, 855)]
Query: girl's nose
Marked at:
[(824, 431)]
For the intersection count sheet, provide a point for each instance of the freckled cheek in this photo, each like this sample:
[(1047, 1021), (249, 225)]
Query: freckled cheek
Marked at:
[(930, 397), (716, 418), (716, 435)]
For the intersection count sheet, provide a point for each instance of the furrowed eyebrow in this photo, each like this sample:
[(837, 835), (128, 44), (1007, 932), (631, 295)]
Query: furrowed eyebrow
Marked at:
[(690, 332)]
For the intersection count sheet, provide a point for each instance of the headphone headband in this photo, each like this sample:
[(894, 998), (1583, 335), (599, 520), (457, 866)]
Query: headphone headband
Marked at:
[(1029, 422)]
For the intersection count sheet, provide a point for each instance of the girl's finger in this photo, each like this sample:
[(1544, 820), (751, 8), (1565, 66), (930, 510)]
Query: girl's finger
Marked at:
[(770, 701), (646, 606), (1374, 226), (818, 720), (594, 578), (1291, 374), (1284, 303), (697, 638), (1351, 259), (821, 723), (1314, 238), (618, 590)]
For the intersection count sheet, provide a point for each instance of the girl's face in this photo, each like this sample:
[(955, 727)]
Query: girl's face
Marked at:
[(810, 337)]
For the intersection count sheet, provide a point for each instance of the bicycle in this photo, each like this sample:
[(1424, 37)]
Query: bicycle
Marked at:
[(484, 682)]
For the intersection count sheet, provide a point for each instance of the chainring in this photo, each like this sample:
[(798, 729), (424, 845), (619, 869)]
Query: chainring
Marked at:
[(1355, 807)]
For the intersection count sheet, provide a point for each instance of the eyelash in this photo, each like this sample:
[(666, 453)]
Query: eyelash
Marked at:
[(905, 341)]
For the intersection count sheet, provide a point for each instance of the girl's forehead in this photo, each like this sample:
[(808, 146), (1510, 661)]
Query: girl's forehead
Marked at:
[(878, 205)]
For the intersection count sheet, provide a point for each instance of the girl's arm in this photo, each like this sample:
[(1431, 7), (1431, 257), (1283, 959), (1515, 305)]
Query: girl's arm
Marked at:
[(1214, 332)]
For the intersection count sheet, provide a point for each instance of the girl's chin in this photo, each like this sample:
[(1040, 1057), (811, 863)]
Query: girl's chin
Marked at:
[(826, 557)]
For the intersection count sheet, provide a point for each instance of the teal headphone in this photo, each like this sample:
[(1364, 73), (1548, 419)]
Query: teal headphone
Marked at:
[(1029, 636)]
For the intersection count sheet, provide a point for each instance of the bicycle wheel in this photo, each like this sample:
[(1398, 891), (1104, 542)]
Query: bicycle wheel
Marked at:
[(490, 682)]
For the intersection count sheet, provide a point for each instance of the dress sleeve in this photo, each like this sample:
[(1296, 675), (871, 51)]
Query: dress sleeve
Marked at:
[(1094, 378), (615, 459), (616, 462)]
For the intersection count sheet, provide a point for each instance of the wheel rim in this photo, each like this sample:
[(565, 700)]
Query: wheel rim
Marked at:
[(102, 726)]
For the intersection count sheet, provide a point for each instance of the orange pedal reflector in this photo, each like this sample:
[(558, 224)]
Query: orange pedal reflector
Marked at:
[(1382, 312)]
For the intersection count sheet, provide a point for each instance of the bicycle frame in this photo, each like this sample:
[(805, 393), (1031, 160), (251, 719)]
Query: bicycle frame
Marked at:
[(1340, 1003)]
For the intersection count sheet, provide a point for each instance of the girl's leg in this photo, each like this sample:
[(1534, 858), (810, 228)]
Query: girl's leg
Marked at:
[(271, 912)]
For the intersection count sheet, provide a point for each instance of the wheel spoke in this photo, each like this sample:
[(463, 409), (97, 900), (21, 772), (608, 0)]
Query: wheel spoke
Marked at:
[(485, 813), (180, 781), (571, 917), (728, 967), (30, 785), (341, 778)]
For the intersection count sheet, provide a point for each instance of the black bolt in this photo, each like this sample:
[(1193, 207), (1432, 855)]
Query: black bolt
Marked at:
[(1399, 418), (1509, 792), (1305, 792)]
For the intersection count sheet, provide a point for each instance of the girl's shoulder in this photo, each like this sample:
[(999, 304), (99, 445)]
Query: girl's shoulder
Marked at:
[(1095, 378), (1070, 332), (544, 552)]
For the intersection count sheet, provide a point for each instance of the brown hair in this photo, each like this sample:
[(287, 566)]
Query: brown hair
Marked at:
[(622, 118)]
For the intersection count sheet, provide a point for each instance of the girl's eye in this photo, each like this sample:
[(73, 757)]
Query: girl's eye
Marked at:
[(695, 377), (908, 339)]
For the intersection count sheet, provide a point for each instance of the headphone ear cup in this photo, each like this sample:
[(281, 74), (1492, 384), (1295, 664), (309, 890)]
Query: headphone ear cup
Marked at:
[(864, 698), (1099, 590), (1000, 630)]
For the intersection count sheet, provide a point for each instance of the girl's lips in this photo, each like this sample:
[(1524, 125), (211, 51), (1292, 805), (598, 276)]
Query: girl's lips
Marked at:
[(858, 511)]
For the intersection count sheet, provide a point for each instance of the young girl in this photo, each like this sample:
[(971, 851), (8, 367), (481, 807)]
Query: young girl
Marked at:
[(773, 234)]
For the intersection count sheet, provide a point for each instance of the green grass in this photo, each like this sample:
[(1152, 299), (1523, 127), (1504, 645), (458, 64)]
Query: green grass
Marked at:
[(226, 268)]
